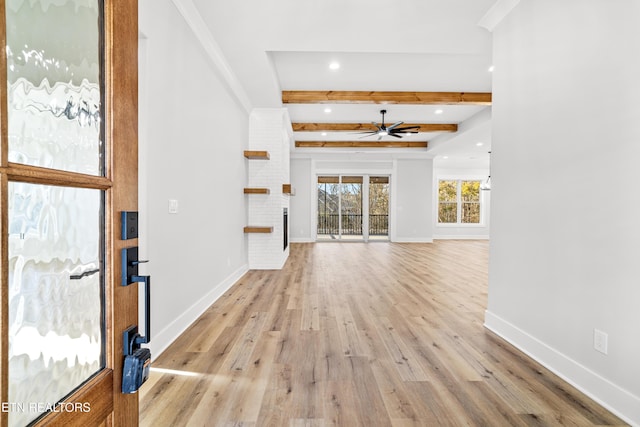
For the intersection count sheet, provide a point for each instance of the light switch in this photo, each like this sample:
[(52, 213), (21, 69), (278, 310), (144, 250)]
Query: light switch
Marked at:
[(173, 206)]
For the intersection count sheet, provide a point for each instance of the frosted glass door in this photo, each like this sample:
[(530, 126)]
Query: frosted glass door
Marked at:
[(56, 230), (53, 73), (55, 294)]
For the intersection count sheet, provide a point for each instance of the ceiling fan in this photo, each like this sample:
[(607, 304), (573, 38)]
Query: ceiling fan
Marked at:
[(392, 130)]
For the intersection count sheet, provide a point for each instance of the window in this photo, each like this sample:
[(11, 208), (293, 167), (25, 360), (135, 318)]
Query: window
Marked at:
[(459, 201)]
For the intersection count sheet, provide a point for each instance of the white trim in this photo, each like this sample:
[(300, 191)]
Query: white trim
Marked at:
[(393, 211), (460, 237), (445, 225), (413, 240), (194, 20), (617, 400), (497, 13), (313, 201), (170, 333), (301, 240)]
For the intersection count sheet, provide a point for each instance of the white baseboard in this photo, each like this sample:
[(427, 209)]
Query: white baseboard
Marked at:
[(412, 240), (616, 399), (168, 335), (302, 240), (460, 237)]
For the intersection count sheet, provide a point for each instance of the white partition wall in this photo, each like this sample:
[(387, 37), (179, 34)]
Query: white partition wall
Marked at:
[(565, 209)]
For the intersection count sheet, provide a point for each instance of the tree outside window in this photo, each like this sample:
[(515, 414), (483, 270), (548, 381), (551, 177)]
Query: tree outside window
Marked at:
[(459, 202)]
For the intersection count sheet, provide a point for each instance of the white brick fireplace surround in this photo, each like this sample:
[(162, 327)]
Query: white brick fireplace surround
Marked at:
[(269, 130)]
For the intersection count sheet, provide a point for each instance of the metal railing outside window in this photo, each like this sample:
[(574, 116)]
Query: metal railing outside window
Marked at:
[(329, 224)]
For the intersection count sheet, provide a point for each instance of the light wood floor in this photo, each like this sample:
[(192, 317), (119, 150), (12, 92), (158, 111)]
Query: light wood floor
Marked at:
[(353, 334)]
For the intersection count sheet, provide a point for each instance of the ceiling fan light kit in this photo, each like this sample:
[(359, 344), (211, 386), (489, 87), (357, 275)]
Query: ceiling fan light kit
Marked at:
[(393, 130)]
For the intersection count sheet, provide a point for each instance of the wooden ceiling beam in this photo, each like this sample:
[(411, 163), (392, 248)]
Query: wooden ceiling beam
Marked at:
[(373, 97), (354, 127), (362, 144)]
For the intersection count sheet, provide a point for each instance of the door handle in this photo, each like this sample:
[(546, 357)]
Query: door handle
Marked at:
[(137, 360), (130, 275), (147, 308)]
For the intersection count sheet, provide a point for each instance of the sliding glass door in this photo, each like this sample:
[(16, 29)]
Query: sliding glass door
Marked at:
[(328, 207), (378, 208), (353, 207)]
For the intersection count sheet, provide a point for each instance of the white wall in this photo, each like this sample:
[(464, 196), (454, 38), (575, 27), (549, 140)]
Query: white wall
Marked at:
[(300, 219), (412, 201), (565, 205), (196, 254)]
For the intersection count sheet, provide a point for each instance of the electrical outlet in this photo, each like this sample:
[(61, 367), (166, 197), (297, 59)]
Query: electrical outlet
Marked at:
[(173, 206), (600, 341)]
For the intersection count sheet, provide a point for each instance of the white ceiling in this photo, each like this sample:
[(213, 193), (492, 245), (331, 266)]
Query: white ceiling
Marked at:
[(381, 45)]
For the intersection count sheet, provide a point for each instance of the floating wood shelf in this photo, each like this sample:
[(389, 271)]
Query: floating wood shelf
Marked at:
[(256, 191), (286, 189), (255, 229), (259, 155)]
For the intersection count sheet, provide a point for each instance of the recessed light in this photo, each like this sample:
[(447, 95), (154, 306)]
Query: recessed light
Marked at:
[(439, 111), (445, 157), (479, 144), (491, 69), (327, 110), (323, 134), (334, 66)]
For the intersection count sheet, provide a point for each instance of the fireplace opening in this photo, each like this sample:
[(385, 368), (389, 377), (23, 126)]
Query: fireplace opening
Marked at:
[(285, 223)]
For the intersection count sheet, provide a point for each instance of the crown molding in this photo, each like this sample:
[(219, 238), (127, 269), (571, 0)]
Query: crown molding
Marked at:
[(194, 20), (497, 13)]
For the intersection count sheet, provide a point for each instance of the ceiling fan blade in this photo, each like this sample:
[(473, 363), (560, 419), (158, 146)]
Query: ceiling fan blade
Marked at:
[(368, 134), (394, 135), (406, 128), (405, 131), (394, 125)]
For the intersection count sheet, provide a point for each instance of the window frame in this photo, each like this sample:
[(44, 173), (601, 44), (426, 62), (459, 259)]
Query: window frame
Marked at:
[(459, 223)]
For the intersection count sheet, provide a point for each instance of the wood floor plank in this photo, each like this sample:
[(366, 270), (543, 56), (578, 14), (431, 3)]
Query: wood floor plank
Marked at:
[(307, 383), (311, 313), (441, 408), (334, 363), (354, 334), (368, 400), (239, 356), (276, 403), (397, 396), (401, 354), (286, 353), (255, 378), (347, 329), (339, 404)]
